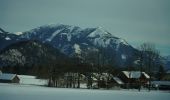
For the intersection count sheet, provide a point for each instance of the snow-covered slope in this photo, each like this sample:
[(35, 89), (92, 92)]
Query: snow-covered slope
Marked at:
[(73, 40)]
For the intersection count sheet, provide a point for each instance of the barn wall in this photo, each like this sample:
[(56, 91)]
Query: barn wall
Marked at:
[(15, 80), (5, 81)]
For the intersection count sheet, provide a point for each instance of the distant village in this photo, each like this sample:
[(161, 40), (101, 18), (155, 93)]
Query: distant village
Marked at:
[(123, 80)]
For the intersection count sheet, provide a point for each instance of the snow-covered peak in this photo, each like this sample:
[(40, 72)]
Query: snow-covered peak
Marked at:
[(99, 32), (18, 33), (60, 26), (123, 41), (102, 38), (53, 25)]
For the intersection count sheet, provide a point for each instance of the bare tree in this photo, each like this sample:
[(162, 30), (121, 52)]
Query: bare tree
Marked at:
[(90, 58), (148, 56)]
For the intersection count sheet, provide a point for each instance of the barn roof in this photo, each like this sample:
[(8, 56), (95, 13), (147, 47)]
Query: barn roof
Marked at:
[(6, 76), (146, 75), (134, 74), (118, 80)]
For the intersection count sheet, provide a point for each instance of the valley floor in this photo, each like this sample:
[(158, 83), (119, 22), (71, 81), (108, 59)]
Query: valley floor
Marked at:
[(32, 92)]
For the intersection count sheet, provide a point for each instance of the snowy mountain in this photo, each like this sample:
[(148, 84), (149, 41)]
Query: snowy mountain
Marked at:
[(88, 43), (73, 40)]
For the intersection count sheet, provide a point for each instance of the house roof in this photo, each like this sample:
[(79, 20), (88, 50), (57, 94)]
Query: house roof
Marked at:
[(118, 80), (146, 75), (6, 76), (134, 74)]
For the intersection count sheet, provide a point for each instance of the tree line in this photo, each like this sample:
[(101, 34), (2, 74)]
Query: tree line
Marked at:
[(148, 60)]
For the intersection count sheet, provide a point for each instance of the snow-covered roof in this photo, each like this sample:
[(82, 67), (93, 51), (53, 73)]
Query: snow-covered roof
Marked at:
[(132, 74), (146, 75), (6, 76), (118, 80), (135, 74)]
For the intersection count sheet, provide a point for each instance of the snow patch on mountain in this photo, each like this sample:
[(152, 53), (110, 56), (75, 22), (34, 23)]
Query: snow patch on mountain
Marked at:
[(67, 35), (53, 35), (71, 28), (99, 42), (77, 49), (14, 56), (123, 57), (7, 38), (120, 42), (84, 44), (18, 33), (99, 32), (123, 42)]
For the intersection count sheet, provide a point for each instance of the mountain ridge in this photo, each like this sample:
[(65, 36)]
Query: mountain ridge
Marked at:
[(73, 40)]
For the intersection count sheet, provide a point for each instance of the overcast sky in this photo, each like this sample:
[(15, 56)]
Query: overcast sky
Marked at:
[(136, 21)]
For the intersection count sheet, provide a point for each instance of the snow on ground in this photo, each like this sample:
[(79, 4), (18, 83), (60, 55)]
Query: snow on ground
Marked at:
[(31, 92), (31, 80)]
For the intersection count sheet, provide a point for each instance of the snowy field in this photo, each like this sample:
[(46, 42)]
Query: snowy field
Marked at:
[(31, 80), (33, 92)]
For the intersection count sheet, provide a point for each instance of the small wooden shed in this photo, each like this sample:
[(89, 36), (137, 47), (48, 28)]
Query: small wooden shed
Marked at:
[(9, 78)]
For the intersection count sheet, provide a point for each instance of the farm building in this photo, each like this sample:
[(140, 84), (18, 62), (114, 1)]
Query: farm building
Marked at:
[(134, 78), (116, 82), (9, 78)]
